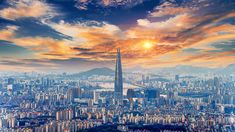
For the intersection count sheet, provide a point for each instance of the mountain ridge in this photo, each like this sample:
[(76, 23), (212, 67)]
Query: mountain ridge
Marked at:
[(105, 71), (95, 71)]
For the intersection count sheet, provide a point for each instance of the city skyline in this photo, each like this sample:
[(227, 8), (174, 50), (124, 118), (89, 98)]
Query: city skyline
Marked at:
[(78, 35), (98, 100), (117, 65)]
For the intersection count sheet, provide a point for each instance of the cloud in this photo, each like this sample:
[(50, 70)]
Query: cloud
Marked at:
[(187, 27), (179, 33), (19, 64), (7, 48), (84, 4), (90, 33), (31, 27), (224, 46), (87, 36), (97, 41), (169, 9), (26, 8), (177, 23), (127, 3), (41, 46)]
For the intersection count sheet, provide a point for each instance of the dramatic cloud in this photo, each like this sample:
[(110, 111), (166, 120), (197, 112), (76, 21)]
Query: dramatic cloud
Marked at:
[(7, 48), (169, 9), (26, 8), (83, 4), (44, 47), (199, 33)]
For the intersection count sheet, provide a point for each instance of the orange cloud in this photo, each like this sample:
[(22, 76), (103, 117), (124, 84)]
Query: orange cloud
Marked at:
[(98, 41), (44, 47), (168, 37), (26, 8)]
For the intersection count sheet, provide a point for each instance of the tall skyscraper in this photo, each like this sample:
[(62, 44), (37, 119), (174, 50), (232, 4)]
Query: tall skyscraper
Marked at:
[(118, 84), (177, 78)]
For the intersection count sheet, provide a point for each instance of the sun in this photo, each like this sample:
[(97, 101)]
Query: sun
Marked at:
[(148, 45)]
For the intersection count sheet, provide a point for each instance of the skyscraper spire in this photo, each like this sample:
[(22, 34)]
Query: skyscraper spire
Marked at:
[(118, 84)]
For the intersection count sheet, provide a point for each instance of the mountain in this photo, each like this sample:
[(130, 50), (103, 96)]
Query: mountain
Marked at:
[(180, 69), (186, 69), (228, 70), (96, 71)]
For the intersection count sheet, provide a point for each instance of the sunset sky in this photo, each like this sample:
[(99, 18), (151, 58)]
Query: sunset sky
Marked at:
[(76, 35)]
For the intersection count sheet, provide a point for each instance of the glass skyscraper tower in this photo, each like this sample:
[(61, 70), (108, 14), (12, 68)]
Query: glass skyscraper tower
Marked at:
[(118, 85)]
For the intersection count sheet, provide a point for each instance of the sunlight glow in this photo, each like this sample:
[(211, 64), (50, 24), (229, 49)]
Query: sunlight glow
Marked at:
[(148, 45)]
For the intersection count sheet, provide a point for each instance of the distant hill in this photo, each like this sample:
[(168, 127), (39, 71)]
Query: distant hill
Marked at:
[(188, 69), (228, 70), (96, 71), (180, 69), (193, 69)]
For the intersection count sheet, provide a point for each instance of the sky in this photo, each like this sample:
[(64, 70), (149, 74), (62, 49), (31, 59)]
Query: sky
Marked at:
[(76, 35)]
